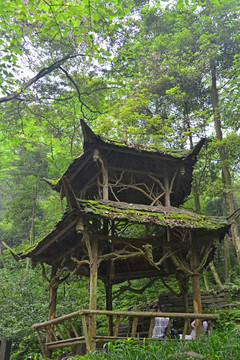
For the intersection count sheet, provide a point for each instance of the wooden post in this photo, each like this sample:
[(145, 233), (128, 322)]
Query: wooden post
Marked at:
[(109, 307), (93, 256), (104, 178), (52, 305), (197, 304), (5, 349), (110, 272), (52, 296), (227, 261), (166, 187), (183, 285)]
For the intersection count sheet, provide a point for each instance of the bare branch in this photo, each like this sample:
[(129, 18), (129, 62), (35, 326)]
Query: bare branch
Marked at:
[(79, 94), (45, 71)]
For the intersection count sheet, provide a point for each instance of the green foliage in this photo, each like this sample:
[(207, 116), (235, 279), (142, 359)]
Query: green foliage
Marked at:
[(217, 346), (136, 67), (23, 303), (229, 320)]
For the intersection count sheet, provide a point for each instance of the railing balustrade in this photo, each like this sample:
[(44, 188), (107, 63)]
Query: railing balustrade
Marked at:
[(72, 329)]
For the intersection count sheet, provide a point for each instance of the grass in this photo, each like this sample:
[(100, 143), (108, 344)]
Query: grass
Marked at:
[(219, 346)]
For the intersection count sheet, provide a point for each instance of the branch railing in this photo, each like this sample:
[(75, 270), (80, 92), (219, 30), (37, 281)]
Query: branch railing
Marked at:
[(73, 329)]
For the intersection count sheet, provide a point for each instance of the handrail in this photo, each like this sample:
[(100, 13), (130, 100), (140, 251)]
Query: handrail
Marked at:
[(62, 331), (126, 314)]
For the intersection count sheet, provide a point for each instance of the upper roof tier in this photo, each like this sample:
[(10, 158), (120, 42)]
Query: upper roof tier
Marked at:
[(135, 173)]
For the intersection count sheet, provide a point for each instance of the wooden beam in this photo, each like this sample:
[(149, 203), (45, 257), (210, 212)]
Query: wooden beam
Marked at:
[(131, 170), (119, 277), (147, 239), (89, 184), (70, 196), (166, 187)]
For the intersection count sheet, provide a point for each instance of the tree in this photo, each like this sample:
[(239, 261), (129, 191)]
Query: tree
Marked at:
[(183, 59)]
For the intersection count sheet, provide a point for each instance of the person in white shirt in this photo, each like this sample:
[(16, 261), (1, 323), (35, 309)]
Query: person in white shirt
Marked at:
[(193, 333), (160, 324)]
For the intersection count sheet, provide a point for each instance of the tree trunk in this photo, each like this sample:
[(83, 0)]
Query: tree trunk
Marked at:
[(225, 171), (195, 190)]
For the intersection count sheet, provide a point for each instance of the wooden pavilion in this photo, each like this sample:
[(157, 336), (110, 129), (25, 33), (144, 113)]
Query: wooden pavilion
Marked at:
[(123, 222)]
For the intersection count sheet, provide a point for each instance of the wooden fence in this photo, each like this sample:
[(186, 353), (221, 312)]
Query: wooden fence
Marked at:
[(73, 329)]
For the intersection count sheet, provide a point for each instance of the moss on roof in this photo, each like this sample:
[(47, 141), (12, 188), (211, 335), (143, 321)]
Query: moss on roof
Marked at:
[(164, 216), (178, 153)]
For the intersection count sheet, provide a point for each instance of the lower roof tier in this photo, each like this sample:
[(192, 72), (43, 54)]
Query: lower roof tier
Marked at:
[(134, 241)]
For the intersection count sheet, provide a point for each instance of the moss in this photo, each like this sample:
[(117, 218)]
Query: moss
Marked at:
[(51, 182), (166, 219), (178, 153)]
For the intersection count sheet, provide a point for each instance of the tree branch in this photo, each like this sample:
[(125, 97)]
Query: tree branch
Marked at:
[(45, 71), (78, 91), (122, 289)]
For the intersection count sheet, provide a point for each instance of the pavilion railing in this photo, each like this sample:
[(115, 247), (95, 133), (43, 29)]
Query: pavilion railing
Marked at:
[(74, 329)]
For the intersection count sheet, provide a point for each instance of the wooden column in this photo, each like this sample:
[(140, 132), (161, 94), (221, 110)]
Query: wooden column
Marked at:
[(166, 187), (93, 256), (110, 272), (98, 158), (52, 295), (183, 285), (197, 303), (109, 307), (52, 305)]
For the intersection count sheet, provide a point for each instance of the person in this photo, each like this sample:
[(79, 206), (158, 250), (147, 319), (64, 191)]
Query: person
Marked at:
[(160, 324), (193, 333)]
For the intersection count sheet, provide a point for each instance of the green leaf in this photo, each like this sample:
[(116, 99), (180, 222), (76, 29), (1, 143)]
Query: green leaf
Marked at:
[(79, 39), (179, 4)]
